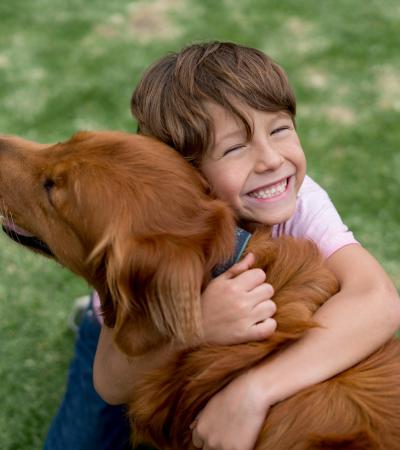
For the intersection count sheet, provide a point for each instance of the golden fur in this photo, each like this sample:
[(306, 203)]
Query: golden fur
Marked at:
[(134, 219)]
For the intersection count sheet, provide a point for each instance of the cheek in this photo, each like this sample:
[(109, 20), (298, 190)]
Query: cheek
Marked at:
[(300, 160), (297, 157), (302, 166), (224, 184)]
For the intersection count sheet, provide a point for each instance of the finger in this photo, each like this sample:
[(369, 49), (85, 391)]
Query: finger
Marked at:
[(244, 264), (262, 292), (263, 311), (196, 439), (194, 424), (262, 330), (251, 279)]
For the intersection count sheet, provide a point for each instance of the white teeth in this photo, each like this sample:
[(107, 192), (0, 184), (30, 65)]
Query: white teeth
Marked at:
[(273, 191)]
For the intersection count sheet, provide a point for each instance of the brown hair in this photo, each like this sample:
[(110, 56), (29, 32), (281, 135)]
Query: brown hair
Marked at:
[(169, 101)]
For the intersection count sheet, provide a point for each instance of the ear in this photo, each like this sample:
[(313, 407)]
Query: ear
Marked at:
[(155, 284)]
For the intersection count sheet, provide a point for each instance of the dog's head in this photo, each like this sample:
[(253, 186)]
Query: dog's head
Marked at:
[(129, 215)]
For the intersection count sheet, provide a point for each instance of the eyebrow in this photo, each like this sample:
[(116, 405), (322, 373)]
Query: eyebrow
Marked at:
[(228, 135), (282, 115)]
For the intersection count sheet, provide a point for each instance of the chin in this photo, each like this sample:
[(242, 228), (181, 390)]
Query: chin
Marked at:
[(272, 217)]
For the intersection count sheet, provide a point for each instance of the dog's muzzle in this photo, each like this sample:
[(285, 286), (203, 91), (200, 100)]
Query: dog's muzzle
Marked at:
[(26, 239)]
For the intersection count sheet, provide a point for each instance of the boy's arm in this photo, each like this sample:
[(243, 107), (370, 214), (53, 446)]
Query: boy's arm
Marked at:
[(114, 374), (248, 317), (355, 322), (112, 370)]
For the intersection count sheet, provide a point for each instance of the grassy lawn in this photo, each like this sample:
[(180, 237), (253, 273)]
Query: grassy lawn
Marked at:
[(69, 64)]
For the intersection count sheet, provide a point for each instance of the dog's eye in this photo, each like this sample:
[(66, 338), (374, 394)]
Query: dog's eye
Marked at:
[(48, 184)]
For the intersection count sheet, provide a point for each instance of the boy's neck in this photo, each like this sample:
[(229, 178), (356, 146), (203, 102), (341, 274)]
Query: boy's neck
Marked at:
[(251, 227)]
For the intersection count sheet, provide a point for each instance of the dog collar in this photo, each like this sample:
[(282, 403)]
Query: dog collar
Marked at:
[(242, 239)]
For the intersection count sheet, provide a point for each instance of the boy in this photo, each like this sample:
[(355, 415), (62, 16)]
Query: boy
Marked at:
[(230, 111)]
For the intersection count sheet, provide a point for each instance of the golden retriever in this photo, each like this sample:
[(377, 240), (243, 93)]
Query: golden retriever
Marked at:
[(133, 218)]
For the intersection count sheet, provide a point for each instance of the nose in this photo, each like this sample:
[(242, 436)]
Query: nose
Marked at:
[(268, 158)]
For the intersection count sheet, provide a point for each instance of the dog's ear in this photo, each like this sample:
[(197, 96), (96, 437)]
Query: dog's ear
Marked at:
[(155, 284)]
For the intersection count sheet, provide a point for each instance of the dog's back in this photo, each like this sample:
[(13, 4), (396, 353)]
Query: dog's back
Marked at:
[(359, 408)]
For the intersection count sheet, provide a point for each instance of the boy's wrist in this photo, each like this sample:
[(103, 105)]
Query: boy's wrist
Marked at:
[(271, 383), (262, 385)]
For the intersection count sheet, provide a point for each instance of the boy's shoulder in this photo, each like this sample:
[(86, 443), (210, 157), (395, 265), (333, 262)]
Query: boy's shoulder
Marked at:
[(308, 187), (311, 200), (316, 218)]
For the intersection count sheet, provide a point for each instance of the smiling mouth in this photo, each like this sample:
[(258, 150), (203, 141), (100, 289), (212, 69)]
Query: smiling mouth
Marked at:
[(26, 239), (273, 190)]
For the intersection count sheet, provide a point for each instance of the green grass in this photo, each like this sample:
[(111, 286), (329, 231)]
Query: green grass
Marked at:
[(67, 65)]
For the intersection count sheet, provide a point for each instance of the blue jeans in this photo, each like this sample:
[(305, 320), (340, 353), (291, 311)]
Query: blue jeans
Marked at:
[(84, 421)]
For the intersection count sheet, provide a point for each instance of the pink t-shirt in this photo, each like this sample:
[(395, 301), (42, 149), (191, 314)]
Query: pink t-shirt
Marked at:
[(315, 218)]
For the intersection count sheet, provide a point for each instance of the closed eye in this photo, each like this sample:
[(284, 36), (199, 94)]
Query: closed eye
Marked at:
[(232, 149), (280, 129)]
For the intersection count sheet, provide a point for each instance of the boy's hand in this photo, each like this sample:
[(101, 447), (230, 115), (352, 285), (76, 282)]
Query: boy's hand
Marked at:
[(237, 306), (233, 418)]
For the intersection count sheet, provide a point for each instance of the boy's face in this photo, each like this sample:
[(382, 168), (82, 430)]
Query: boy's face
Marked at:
[(259, 178)]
